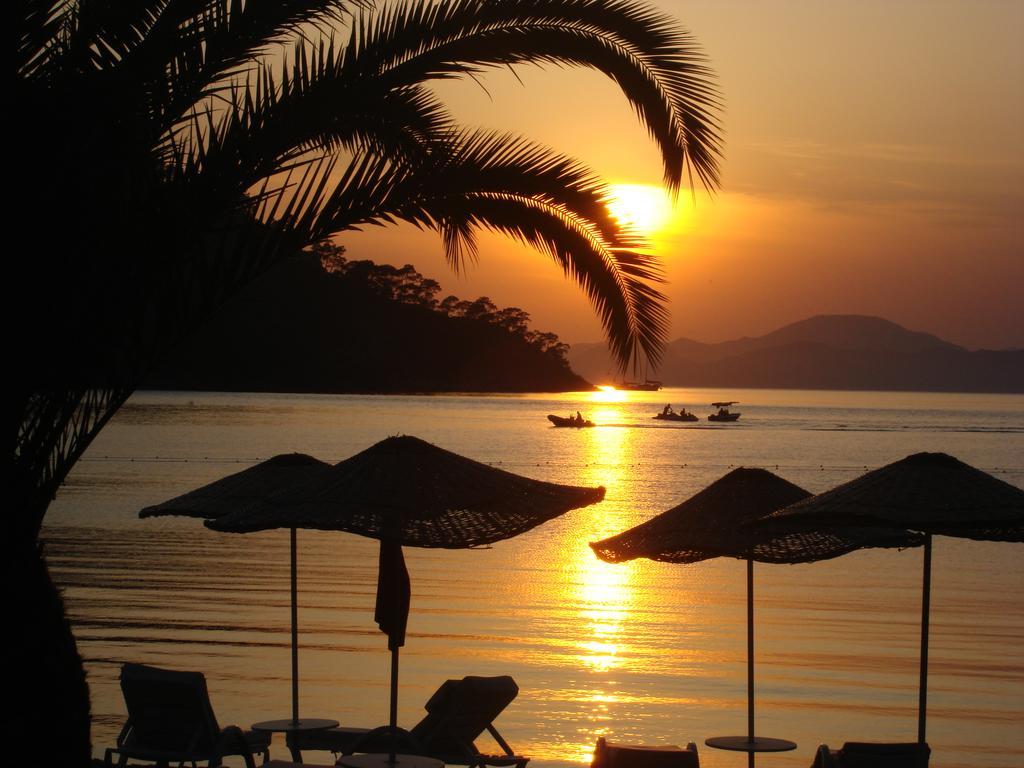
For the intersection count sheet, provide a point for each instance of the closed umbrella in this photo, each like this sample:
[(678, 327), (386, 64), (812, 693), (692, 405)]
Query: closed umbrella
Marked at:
[(933, 493), (405, 491), (716, 523)]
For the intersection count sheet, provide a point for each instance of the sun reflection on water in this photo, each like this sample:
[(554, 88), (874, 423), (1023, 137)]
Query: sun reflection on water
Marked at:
[(604, 596), (609, 394), (603, 593)]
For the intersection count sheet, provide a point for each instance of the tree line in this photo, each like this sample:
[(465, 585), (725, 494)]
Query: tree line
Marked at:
[(407, 286)]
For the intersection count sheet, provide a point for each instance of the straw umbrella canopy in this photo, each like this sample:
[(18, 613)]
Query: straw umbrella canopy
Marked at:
[(933, 493), (424, 496), (716, 522), (247, 489), (405, 491)]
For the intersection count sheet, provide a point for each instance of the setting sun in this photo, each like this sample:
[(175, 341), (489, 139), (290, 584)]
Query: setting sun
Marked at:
[(643, 207)]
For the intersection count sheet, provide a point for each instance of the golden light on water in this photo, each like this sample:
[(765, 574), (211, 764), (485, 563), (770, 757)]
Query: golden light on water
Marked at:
[(605, 596), (611, 608), (609, 394), (606, 454), (604, 593)]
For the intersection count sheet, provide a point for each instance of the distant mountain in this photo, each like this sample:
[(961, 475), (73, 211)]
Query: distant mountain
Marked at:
[(301, 329), (826, 352)]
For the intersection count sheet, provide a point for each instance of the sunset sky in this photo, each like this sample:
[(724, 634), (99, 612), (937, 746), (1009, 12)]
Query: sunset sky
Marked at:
[(874, 164)]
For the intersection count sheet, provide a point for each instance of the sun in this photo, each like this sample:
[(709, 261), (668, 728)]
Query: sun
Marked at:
[(642, 207)]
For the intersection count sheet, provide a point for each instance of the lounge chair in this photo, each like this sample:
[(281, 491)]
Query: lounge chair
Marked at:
[(457, 715), (862, 754), (170, 719), (610, 755)]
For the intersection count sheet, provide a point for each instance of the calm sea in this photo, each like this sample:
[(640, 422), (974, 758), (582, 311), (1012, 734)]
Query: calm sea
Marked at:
[(645, 652)]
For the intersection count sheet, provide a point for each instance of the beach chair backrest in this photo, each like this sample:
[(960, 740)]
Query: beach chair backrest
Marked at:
[(860, 754), (460, 710), (168, 710)]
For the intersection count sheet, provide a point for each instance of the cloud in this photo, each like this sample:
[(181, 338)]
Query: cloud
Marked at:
[(924, 180)]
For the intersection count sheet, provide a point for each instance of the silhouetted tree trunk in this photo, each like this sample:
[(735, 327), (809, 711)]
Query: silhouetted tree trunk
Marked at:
[(51, 697)]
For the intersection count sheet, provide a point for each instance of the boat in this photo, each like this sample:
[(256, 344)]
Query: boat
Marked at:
[(563, 421), (724, 414), (647, 385), (683, 415)]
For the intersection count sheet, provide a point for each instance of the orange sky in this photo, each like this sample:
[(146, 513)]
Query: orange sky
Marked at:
[(874, 165)]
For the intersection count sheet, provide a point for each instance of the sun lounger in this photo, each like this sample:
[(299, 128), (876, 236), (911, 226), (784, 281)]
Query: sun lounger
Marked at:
[(170, 719), (861, 754), (457, 715), (612, 755)]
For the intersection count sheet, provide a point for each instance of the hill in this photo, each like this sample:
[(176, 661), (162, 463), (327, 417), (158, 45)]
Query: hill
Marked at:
[(363, 328), (827, 352)]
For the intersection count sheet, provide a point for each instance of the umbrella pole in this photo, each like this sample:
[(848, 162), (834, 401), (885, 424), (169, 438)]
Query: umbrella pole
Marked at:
[(926, 593), (295, 631), (750, 657), (394, 706)]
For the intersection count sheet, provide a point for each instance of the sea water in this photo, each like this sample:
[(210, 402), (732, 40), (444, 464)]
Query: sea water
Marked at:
[(644, 652)]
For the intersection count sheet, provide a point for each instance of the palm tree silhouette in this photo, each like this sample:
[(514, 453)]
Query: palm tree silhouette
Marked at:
[(168, 152)]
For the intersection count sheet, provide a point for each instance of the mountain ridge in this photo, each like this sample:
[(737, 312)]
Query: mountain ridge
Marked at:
[(826, 352)]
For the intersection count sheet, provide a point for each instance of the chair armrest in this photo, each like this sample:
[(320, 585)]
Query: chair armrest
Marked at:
[(125, 730), (497, 737)]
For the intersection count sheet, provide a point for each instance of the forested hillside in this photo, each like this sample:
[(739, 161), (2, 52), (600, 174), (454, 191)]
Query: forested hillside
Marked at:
[(322, 323)]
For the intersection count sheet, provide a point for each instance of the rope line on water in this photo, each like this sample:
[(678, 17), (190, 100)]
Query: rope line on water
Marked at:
[(684, 465)]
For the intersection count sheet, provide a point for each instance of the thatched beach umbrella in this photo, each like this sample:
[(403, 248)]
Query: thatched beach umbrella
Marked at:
[(716, 523), (404, 491), (425, 496), (932, 493), (247, 489)]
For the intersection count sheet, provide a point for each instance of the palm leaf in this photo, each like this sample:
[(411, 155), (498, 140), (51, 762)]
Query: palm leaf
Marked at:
[(504, 184), (374, 85), (312, 109), (39, 27), (660, 69)]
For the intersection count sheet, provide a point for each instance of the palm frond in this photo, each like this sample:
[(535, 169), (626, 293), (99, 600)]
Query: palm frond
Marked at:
[(661, 70), (502, 183), (617, 281), (39, 31), (496, 161), (265, 125), (200, 45)]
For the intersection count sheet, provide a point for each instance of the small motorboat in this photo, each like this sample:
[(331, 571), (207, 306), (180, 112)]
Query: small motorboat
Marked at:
[(682, 415), (570, 421), (724, 414)]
